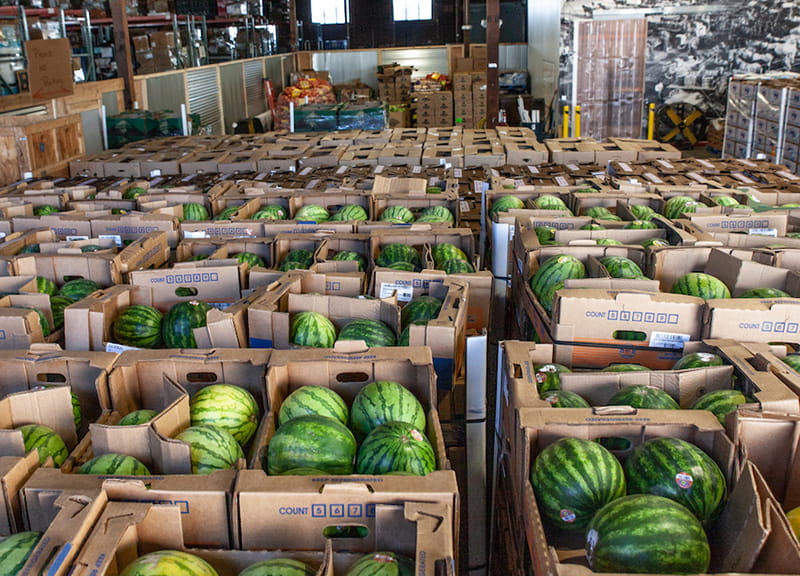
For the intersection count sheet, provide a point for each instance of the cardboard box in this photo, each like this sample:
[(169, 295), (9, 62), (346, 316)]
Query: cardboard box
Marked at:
[(568, 151), (134, 226), (216, 281), (21, 323)]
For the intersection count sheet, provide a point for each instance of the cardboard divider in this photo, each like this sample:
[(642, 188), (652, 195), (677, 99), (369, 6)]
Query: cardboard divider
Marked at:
[(14, 473)]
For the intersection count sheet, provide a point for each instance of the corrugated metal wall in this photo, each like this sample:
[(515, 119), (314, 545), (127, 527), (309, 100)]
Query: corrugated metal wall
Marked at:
[(347, 67), (203, 91), (234, 101), (253, 73)]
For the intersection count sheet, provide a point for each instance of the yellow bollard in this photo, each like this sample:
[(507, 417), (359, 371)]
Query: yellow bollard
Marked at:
[(651, 120), (565, 123), (577, 122)]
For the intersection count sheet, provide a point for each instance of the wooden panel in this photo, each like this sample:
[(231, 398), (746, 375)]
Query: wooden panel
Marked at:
[(9, 160), (42, 148), (70, 141), (85, 94)]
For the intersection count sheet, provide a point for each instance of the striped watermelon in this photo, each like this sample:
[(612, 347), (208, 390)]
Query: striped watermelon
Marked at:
[(420, 308), (177, 328), (227, 213), (549, 202), (169, 563), (640, 225), (137, 417), (15, 551), (725, 200), (45, 210), (133, 193), (348, 256), (608, 242), (698, 360), (382, 564), (43, 323), (456, 266), (642, 211), (592, 226), (271, 212), (629, 335), (572, 479), (114, 465), (30, 249), (548, 376), (392, 253), (564, 399), (194, 211), (643, 396), (598, 212), (405, 335), (720, 403), (46, 442), (313, 401), (384, 401), (138, 326), (646, 534), (92, 248), (373, 332), (230, 408), (764, 293), (312, 213), (554, 270), (436, 214), (396, 447), (504, 204), (650, 242), (350, 212), (305, 257), (288, 265), (312, 329), (678, 205), (621, 267), (446, 251), (548, 297), (626, 368), (250, 259), (278, 567), (680, 471), (545, 235), (57, 305), (311, 442), (792, 361), (701, 285), (403, 267), (397, 214), (211, 448), (78, 289), (46, 286)]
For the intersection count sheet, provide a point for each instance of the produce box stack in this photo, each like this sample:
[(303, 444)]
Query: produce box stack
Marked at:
[(394, 84), (433, 108)]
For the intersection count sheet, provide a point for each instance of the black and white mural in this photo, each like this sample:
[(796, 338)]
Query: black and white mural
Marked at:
[(693, 47)]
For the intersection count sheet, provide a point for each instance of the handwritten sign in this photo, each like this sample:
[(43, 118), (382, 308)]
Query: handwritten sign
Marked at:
[(49, 68)]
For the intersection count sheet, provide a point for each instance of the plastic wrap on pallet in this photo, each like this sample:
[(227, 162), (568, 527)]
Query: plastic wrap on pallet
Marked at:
[(316, 118), (362, 116)]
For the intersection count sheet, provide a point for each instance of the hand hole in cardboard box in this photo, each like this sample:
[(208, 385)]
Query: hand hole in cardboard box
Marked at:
[(615, 444), (50, 377), (185, 291), (346, 531), (353, 377), (629, 335), (70, 278), (201, 377)]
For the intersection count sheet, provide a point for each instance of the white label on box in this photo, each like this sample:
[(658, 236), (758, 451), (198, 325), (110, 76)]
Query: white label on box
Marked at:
[(195, 234), (519, 182), (118, 348), (74, 238), (633, 181), (787, 175), (653, 178), (696, 177), (533, 169), (748, 163), (306, 171), (115, 237), (573, 167), (416, 169), (187, 178), (705, 163), (457, 173), (665, 164), (432, 181), (625, 166), (494, 173), (404, 293), (341, 170), (312, 183), (155, 173), (668, 339), (773, 232), (220, 305), (261, 176), (379, 168), (464, 205), (2, 234), (742, 178), (561, 181), (90, 181)]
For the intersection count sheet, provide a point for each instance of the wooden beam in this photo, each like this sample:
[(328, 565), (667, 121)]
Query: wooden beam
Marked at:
[(493, 57), (122, 49), (466, 28), (292, 25)]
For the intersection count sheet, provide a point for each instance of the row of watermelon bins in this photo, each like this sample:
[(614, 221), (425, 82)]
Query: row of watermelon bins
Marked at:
[(228, 508), (760, 433)]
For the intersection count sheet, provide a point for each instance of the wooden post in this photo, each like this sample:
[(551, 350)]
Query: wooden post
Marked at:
[(493, 56), (122, 50), (466, 29), (292, 26)]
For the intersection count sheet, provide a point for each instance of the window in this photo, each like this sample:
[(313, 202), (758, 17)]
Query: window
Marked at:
[(413, 10), (328, 11)]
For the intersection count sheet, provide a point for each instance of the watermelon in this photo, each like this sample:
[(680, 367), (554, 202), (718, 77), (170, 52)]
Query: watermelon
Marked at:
[(626, 368), (301, 255), (608, 242), (548, 297), (436, 214), (211, 448), (701, 285), (198, 258), (646, 534), (420, 308), (169, 563), (139, 326), (572, 479), (504, 204), (403, 267), (349, 255), (564, 399), (396, 447), (177, 328), (278, 567), (792, 361), (599, 212), (548, 376), (78, 289), (43, 323), (724, 200), (382, 564), (698, 360), (15, 551), (642, 211), (230, 408), (592, 226), (391, 253), (133, 193), (549, 202), (680, 471), (227, 213), (720, 403), (312, 213), (350, 212), (271, 212), (397, 214), (114, 465), (456, 266), (57, 306), (45, 210), (405, 335), (289, 265), (384, 401), (621, 267), (641, 225), (312, 329), (137, 417), (313, 401), (194, 211), (46, 286), (373, 332), (629, 335), (30, 249), (303, 472), (545, 235), (446, 251), (311, 442), (643, 396), (250, 259), (92, 248), (764, 293), (679, 205), (651, 242), (554, 270), (46, 441)]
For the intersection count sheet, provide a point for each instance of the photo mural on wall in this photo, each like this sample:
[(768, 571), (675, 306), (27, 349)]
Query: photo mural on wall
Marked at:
[(694, 46)]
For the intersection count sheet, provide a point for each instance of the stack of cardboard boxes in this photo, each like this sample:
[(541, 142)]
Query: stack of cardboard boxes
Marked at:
[(434, 108), (394, 88), (155, 52), (469, 98)]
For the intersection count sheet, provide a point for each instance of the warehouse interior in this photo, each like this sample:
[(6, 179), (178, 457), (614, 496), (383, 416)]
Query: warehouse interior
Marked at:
[(396, 287)]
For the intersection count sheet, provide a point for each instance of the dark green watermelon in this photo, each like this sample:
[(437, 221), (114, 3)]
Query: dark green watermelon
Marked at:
[(642, 396), (314, 442), (420, 308), (396, 447), (373, 332), (179, 323)]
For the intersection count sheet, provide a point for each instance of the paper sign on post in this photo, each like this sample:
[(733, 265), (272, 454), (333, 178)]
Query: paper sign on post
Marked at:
[(49, 68)]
